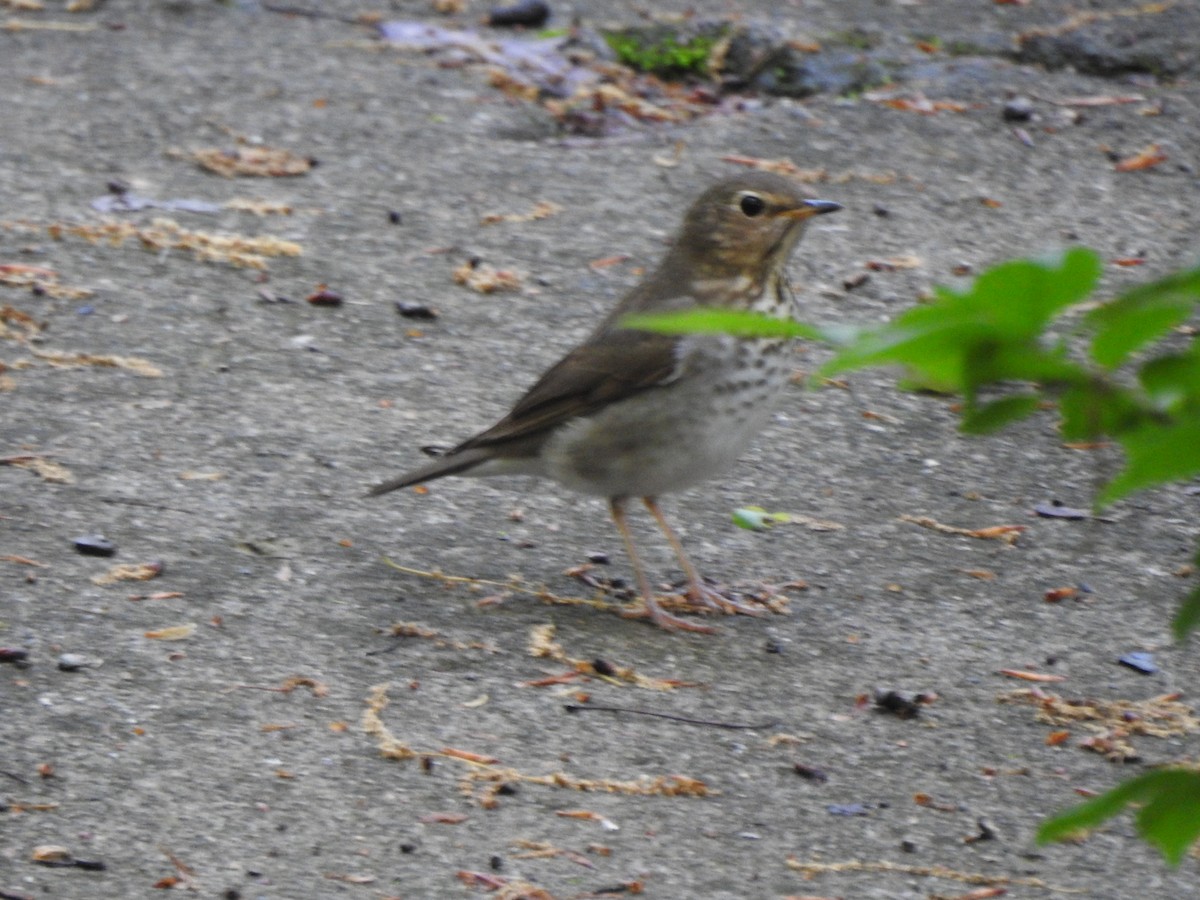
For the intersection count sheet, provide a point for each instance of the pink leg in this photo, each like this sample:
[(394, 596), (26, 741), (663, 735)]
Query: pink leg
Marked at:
[(650, 609), (698, 592)]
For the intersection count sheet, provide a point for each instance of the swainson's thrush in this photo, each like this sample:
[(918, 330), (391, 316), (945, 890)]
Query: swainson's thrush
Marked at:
[(638, 414)]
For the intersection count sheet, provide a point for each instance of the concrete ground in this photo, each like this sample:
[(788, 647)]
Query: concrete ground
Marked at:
[(235, 761)]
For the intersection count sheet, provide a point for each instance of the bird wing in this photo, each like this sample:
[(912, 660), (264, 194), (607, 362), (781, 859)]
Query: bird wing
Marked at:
[(609, 367)]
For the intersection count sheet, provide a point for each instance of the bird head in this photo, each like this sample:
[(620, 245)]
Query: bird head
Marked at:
[(746, 225)]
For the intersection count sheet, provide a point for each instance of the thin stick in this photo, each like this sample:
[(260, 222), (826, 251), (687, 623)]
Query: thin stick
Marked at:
[(737, 726)]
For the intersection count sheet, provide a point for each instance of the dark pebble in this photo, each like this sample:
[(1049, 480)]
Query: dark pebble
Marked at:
[(394, 217), (95, 545), (810, 773), (603, 667), (18, 656), (527, 13), (1018, 109), (598, 557), (415, 310), (906, 706), (1139, 661)]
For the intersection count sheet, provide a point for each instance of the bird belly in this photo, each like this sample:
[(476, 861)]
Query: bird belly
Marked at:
[(672, 437)]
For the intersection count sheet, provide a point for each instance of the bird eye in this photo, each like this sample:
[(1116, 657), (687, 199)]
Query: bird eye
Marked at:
[(752, 205)]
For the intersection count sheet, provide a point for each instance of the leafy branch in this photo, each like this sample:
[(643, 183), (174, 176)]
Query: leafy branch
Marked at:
[(1126, 370)]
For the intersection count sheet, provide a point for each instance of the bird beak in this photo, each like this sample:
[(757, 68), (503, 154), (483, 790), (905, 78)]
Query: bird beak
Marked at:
[(812, 208)]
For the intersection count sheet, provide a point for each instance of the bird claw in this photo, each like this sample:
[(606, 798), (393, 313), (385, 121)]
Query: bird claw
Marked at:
[(704, 597), (664, 620)]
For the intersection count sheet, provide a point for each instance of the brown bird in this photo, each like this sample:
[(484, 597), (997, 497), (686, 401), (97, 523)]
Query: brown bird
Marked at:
[(638, 414)]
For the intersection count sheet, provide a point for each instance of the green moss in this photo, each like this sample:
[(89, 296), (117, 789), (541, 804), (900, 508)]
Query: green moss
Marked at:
[(663, 53)]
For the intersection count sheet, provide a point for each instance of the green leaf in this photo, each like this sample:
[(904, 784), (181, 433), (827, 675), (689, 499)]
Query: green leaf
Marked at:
[(1155, 452), (1169, 817), (1141, 315), (995, 415), (1187, 619), (1094, 408), (997, 323), (755, 518), (1172, 381), (722, 321)]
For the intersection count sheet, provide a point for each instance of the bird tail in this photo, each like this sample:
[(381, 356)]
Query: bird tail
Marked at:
[(453, 463)]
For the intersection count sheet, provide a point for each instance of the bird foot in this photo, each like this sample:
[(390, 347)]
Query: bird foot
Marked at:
[(702, 596), (648, 609)]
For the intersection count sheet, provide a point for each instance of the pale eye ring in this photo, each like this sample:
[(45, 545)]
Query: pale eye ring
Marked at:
[(752, 205)]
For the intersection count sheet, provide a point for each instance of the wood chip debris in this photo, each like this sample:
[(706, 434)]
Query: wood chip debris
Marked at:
[(46, 469), (62, 360), (543, 209), (16, 325), (40, 280), (486, 279), (1111, 722), (128, 572), (415, 630), (917, 102), (813, 869), (162, 234), (1146, 158), (251, 162), (546, 850), (12, 24), (486, 782), (1024, 675), (543, 646), (1008, 534), (259, 207), (172, 633), (505, 888)]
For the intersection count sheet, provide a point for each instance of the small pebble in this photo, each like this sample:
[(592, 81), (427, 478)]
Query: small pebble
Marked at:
[(1018, 109), (599, 557), (94, 545), (1139, 661), (848, 809), (1055, 510), (73, 662)]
